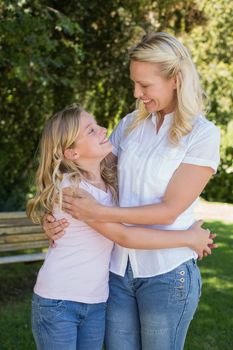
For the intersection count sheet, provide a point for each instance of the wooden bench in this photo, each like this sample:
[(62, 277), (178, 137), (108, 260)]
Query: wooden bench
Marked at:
[(17, 234)]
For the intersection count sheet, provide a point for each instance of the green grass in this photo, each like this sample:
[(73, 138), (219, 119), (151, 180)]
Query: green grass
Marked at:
[(211, 329), (16, 284)]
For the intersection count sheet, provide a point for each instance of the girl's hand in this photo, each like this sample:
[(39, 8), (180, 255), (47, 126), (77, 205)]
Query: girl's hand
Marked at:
[(81, 205), (201, 240), (53, 228), (211, 246)]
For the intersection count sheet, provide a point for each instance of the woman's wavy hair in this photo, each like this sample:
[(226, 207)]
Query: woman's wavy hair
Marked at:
[(60, 133), (173, 60)]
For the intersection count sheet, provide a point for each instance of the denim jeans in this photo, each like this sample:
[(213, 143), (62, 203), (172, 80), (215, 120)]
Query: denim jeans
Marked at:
[(154, 312), (67, 325)]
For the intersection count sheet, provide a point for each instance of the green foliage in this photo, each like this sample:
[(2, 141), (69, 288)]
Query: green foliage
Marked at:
[(38, 44), (53, 53), (220, 187), (212, 48)]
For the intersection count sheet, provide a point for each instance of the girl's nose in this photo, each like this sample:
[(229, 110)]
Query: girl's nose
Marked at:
[(102, 131)]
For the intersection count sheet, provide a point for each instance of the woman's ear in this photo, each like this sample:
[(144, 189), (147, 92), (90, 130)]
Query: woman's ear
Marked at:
[(175, 82), (178, 80), (71, 154)]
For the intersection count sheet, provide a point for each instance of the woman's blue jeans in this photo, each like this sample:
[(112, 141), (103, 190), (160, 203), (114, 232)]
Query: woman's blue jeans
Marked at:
[(67, 325), (152, 313)]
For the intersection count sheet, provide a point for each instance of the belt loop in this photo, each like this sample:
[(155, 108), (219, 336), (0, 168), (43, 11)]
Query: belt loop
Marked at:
[(194, 261)]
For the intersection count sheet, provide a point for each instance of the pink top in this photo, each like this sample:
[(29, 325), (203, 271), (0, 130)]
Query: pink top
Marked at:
[(77, 268)]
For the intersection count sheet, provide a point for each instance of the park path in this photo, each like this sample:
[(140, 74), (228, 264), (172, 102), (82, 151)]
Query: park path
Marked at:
[(214, 211)]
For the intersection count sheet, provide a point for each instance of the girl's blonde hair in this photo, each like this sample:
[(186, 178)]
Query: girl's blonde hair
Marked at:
[(173, 60), (60, 133)]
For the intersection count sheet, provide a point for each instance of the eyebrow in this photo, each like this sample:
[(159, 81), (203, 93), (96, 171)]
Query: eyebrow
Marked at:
[(140, 81), (88, 125)]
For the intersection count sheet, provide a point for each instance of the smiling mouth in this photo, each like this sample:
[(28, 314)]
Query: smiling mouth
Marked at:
[(146, 101), (105, 140)]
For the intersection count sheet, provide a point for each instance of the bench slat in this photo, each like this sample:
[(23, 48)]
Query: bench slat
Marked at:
[(13, 215), (22, 258), (17, 222), (23, 245), (22, 238), (19, 233), (19, 229)]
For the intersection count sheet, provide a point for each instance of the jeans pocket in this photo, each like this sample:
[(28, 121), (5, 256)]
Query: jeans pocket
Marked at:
[(49, 309), (180, 287)]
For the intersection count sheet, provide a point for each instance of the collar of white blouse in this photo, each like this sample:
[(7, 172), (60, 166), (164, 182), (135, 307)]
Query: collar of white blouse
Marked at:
[(167, 120)]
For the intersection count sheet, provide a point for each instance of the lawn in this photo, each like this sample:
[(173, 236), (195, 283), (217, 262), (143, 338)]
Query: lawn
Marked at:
[(211, 329)]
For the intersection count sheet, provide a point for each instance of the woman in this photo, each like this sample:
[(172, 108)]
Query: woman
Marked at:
[(167, 152)]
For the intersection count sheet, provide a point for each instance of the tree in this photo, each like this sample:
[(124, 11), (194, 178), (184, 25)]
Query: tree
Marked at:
[(54, 53), (38, 45), (212, 49)]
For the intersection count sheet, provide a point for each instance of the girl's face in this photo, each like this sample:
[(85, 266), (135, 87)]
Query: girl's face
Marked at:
[(156, 92), (91, 143)]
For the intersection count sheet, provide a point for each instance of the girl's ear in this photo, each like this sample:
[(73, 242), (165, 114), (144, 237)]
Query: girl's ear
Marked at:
[(71, 154)]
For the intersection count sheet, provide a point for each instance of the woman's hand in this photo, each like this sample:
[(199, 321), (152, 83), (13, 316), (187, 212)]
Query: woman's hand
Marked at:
[(73, 203), (53, 228), (201, 239), (81, 205)]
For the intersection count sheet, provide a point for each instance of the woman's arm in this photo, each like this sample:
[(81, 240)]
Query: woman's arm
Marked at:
[(184, 187)]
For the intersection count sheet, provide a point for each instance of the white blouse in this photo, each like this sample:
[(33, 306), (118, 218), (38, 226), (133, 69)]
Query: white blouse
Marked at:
[(146, 163)]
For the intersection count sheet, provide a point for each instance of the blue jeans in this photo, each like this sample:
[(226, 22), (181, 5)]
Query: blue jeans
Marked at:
[(67, 325), (152, 313)]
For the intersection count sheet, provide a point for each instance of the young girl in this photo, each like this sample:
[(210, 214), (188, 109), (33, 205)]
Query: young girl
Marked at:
[(69, 301)]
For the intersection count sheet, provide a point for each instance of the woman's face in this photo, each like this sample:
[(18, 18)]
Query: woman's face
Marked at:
[(156, 92)]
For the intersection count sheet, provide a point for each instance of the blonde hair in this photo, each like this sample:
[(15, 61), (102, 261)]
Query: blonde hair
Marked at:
[(60, 133), (174, 60)]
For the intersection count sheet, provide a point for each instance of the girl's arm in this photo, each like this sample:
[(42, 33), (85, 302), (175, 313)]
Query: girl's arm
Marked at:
[(184, 187), (144, 238), (195, 237)]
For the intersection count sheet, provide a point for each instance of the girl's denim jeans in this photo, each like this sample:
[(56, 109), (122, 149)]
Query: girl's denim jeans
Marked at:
[(67, 325)]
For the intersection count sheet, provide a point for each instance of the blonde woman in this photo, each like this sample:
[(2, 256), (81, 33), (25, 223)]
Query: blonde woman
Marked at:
[(69, 301), (167, 151)]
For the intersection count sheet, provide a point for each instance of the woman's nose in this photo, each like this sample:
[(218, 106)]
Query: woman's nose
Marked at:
[(137, 91)]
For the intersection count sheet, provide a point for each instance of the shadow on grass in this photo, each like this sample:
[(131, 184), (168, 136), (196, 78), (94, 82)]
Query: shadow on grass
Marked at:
[(211, 329), (17, 280), (16, 285)]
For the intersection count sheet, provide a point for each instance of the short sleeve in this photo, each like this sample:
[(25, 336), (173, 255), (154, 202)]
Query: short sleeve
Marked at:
[(115, 137), (65, 182), (204, 147), (119, 132)]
